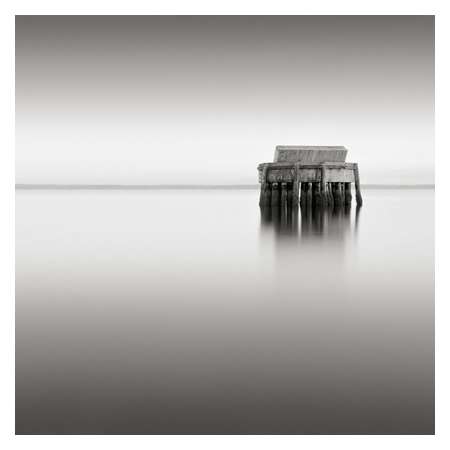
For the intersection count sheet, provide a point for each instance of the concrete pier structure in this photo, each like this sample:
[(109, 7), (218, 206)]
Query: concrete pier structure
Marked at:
[(316, 174)]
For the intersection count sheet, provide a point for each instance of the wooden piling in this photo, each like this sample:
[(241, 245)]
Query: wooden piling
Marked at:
[(295, 193), (330, 194), (359, 201), (275, 195), (261, 194), (317, 198), (290, 193), (266, 215), (348, 193), (267, 194), (304, 193), (337, 194), (296, 185), (264, 186), (309, 193), (283, 195), (323, 186)]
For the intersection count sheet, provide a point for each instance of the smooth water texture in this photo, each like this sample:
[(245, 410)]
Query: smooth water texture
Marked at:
[(160, 312)]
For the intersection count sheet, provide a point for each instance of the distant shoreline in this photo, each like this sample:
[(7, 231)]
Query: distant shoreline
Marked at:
[(20, 186)]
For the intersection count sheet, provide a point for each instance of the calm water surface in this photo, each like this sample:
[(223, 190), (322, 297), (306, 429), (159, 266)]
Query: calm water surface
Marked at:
[(158, 312)]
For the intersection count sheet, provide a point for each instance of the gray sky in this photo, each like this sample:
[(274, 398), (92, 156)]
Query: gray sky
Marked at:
[(151, 100)]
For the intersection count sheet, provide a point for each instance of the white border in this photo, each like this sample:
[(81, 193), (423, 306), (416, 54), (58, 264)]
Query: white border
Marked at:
[(8, 440)]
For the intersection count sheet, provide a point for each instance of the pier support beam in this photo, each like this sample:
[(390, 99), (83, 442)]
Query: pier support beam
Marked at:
[(296, 186), (264, 186), (317, 198), (261, 194), (330, 194), (359, 201), (309, 193), (323, 186), (290, 194), (284, 195), (337, 196), (275, 195), (348, 193), (295, 193), (304, 194), (267, 194)]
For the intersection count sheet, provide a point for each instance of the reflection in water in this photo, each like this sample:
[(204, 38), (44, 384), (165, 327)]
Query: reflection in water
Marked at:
[(316, 221), (133, 317)]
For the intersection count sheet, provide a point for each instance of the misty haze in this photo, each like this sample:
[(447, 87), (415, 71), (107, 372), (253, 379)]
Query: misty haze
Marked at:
[(154, 295)]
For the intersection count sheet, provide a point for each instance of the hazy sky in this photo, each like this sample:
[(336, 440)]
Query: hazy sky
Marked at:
[(126, 99)]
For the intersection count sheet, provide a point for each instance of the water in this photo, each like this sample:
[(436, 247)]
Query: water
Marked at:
[(192, 312)]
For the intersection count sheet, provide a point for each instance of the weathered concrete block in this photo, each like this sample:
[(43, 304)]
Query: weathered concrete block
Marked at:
[(309, 154)]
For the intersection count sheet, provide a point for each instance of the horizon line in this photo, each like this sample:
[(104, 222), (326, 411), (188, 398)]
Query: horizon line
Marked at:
[(74, 186)]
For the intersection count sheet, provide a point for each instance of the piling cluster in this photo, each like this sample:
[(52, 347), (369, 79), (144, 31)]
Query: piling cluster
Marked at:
[(316, 193)]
